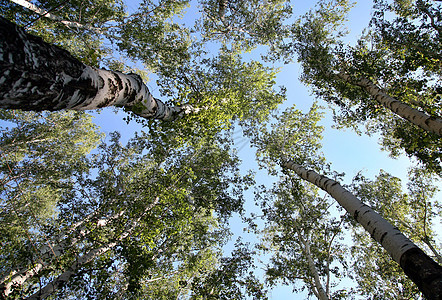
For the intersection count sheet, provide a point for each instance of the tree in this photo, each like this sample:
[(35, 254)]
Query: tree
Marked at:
[(246, 24), (147, 216), (303, 238), (151, 228), (94, 19), (418, 266), (65, 82), (39, 156), (150, 36), (298, 232), (381, 71), (286, 139), (233, 279), (413, 213)]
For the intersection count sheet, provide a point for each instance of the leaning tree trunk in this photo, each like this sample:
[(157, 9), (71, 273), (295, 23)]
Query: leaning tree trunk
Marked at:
[(418, 118), (55, 284), (16, 278), (37, 76), (317, 287), (418, 266)]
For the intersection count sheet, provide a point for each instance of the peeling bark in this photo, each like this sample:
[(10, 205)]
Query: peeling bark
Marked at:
[(418, 266), (37, 76), (418, 118)]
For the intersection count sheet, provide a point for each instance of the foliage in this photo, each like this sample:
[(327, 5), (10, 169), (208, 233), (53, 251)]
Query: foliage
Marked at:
[(246, 24), (293, 134), (232, 280), (388, 54), (84, 43), (158, 209), (413, 213), (299, 227), (40, 154), (299, 231), (159, 206)]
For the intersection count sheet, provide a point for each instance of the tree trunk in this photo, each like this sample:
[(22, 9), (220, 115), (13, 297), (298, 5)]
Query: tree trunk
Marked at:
[(58, 282), (418, 266), (418, 118), (37, 76), (48, 253), (320, 291)]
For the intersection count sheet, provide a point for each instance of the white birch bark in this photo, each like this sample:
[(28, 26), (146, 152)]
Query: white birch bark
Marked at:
[(418, 118), (320, 292), (37, 76), (382, 231)]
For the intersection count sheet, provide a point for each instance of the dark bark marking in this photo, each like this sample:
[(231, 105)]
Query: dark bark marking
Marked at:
[(404, 245), (383, 237), (373, 233), (119, 81), (424, 271), (356, 215), (113, 89)]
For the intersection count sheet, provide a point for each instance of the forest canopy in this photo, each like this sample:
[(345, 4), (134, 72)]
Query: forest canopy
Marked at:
[(211, 128)]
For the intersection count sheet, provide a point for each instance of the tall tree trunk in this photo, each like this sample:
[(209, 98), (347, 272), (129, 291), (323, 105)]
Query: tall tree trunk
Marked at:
[(319, 291), (418, 118), (37, 76), (418, 266)]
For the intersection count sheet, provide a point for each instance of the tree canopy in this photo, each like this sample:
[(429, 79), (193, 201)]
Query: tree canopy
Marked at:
[(85, 215)]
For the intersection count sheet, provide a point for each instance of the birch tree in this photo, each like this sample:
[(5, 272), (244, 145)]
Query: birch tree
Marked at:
[(417, 265), (304, 241), (143, 220), (378, 82), (413, 213), (40, 154), (233, 279), (150, 36), (247, 24), (297, 151), (65, 82)]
